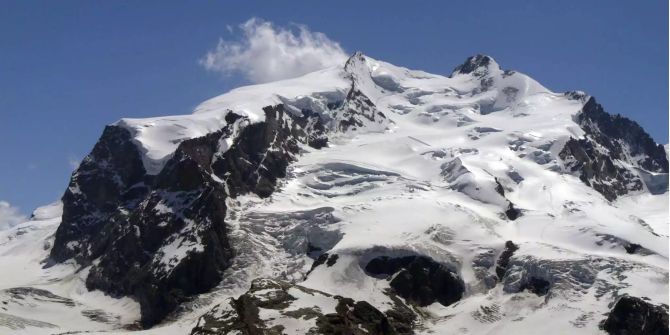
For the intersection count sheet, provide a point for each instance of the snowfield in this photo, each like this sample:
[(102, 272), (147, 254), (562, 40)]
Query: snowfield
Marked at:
[(437, 180)]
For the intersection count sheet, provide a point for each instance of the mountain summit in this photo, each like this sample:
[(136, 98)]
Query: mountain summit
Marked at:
[(478, 65), (364, 198)]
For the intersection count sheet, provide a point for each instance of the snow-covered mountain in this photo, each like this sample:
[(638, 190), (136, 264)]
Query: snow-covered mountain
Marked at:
[(360, 199)]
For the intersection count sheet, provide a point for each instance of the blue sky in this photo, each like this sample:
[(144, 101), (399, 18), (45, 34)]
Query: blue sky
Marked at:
[(67, 68)]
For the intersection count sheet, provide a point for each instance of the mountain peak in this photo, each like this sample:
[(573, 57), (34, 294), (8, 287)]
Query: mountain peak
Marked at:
[(357, 53), (356, 61), (478, 64), (356, 181)]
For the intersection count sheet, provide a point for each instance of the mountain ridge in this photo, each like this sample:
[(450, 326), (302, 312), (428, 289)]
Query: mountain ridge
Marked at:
[(287, 181)]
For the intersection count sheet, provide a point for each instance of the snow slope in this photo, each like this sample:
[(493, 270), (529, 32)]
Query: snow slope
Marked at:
[(435, 181), (46, 301)]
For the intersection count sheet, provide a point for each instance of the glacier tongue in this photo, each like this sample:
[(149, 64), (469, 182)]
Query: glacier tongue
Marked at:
[(479, 202)]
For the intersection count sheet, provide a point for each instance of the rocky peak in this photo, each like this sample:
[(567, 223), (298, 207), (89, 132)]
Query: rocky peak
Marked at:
[(478, 65), (358, 112), (615, 156), (619, 133), (356, 62), (164, 238), (111, 175)]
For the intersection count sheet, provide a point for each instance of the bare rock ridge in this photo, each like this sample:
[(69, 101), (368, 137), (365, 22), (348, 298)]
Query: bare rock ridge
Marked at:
[(476, 65), (281, 300), (163, 238), (612, 144)]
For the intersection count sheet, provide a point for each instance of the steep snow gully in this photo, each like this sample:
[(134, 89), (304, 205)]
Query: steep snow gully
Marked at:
[(364, 198)]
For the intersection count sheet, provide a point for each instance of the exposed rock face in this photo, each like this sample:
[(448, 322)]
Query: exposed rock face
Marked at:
[(163, 238), (619, 134), (111, 175), (420, 280), (359, 317), (503, 260), (536, 285), (612, 144), (270, 304), (476, 64), (632, 315), (511, 212), (359, 112)]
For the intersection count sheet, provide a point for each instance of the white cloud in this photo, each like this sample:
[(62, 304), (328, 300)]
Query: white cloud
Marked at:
[(267, 53), (9, 215)]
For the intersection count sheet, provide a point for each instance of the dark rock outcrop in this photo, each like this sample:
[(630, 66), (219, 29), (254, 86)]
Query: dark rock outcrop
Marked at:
[(111, 175), (476, 65), (634, 316), (536, 285), (275, 298), (615, 131), (634, 248), (359, 317), (420, 280), (355, 317), (503, 260), (164, 238), (512, 212), (324, 258), (244, 316), (357, 111), (612, 144)]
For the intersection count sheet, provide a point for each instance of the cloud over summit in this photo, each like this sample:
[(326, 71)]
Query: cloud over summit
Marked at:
[(264, 52)]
